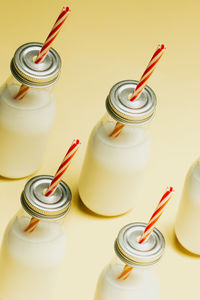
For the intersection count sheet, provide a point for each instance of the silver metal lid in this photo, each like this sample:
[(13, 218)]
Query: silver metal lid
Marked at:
[(127, 112), (27, 72), (132, 253), (42, 207)]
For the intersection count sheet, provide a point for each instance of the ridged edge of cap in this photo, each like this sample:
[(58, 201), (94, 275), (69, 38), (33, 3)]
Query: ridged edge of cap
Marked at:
[(32, 81), (39, 212), (137, 262), (122, 117)]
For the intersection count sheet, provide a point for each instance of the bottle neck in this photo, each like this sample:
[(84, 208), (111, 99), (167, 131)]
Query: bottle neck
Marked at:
[(107, 118), (22, 214), (44, 232), (12, 81), (116, 262), (32, 98), (136, 133)]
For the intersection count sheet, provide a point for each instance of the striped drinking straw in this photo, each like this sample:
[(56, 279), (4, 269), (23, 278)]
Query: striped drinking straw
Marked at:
[(56, 180), (141, 84), (150, 227), (46, 46)]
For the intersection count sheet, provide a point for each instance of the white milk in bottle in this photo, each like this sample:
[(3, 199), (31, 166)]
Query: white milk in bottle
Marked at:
[(25, 123), (113, 168), (188, 218), (141, 282), (30, 261)]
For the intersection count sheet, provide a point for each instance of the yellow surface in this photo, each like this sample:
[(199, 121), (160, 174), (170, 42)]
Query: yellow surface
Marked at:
[(102, 43)]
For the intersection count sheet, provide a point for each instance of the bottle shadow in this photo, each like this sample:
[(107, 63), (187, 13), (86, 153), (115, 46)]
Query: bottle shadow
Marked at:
[(7, 179), (176, 245), (85, 210)]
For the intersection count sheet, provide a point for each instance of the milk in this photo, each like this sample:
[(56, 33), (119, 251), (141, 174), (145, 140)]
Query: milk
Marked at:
[(142, 284), (113, 168), (188, 217), (29, 262), (24, 128)]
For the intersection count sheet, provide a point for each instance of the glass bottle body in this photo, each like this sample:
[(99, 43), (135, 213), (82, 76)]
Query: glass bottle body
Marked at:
[(24, 128), (141, 284), (113, 167), (30, 262), (188, 217)]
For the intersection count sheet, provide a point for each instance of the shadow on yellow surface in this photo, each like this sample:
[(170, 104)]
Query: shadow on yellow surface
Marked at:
[(179, 248), (83, 209), (7, 179)]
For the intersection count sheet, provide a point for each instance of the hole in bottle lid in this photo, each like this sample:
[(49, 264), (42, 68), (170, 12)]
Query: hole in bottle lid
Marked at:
[(130, 96), (44, 191), (138, 238), (34, 58)]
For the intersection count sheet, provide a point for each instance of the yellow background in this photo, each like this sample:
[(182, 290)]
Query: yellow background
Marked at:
[(102, 43)]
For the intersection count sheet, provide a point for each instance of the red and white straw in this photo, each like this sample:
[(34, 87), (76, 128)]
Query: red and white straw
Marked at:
[(126, 272), (56, 180), (147, 73), (32, 225), (141, 84), (150, 227), (22, 92), (53, 34), (63, 167), (117, 130), (46, 46), (156, 215)]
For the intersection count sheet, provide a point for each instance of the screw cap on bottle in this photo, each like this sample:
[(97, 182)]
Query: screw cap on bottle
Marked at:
[(127, 112), (132, 253), (38, 205), (27, 72)]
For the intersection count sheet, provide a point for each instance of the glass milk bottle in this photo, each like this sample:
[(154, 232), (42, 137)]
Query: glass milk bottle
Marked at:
[(25, 123), (29, 261), (113, 167), (143, 282), (188, 218)]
